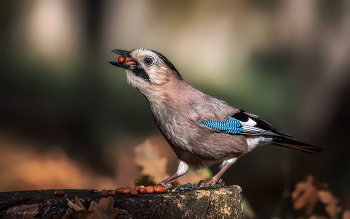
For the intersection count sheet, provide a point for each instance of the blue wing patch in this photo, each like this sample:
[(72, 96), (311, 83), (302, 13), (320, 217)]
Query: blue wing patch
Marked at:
[(233, 126)]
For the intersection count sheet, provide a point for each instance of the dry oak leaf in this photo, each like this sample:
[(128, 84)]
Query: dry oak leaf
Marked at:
[(151, 160), (77, 206), (331, 203), (103, 210), (154, 155), (23, 211), (306, 194), (346, 214)]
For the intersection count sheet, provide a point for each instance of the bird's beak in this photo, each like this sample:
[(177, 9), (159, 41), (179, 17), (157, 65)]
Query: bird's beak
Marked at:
[(125, 61)]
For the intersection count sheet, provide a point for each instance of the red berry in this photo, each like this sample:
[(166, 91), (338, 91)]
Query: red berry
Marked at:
[(121, 59), (159, 188), (130, 62), (58, 192), (104, 192)]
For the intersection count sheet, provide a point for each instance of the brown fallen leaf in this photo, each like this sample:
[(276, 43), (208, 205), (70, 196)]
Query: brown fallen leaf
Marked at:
[(309, 192), (157, 160), (152, 162), (103, 210), (77, 206), (305, 195), (346, 214), (331, 203)]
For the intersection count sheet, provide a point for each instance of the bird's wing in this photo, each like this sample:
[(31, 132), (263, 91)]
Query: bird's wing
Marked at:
[(220, 117), (209, 108), (254, 125)]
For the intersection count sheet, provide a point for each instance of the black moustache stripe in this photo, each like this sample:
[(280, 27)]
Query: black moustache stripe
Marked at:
[(140, 72)]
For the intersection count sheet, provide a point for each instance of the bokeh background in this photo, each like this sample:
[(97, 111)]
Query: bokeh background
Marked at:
[(68, 119)]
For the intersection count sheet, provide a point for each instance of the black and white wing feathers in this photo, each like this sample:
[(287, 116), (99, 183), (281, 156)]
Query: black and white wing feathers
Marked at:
[(254, 125)]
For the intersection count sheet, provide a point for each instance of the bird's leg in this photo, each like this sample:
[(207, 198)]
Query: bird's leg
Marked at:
[(181, 170), (225, 165)]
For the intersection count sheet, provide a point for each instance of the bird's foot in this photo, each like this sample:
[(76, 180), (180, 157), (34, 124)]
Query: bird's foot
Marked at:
[(167, 185), (203, 183), (212, 182), (220, 182), (170, 185)]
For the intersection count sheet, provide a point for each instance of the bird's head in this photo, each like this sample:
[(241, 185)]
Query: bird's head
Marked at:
[(146, 70)]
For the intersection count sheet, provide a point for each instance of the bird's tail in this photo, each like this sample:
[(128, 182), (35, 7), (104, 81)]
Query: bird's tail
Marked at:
[(290, 143)]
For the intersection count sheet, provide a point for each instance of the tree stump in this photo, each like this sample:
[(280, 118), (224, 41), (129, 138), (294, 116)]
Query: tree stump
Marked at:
[(223, 202)]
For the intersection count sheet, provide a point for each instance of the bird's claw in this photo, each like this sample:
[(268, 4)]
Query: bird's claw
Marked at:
[(167, 185), (211, 182), (203, 183), (170, 185), (220, 182)]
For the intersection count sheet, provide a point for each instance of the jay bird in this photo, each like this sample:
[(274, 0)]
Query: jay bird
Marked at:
[(201, 129)]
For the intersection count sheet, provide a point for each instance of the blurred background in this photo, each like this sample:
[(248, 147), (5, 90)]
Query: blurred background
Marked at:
[(68, 119)]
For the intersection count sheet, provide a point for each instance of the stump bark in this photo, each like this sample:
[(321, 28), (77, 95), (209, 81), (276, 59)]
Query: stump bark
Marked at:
[(224, 202)]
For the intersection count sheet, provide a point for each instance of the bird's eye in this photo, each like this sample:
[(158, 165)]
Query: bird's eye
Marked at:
[(148, 61)]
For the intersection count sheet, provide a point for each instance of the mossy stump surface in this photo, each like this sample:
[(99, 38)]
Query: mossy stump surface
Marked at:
[(224, 202)]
